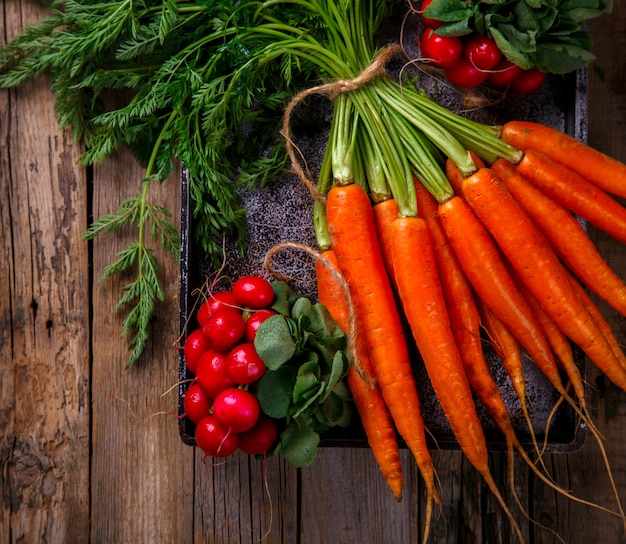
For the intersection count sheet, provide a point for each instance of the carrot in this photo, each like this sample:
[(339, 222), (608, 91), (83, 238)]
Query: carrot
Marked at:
[(423, 301), (354, 241), (547, 279), (464, 317), (566, 235), (508, 349), (600, 169), (602, 323), (454, 175), (559, 343), (487, 272), (464, 311), (384, 213), (538, 267), (368, 400), (575, 193)]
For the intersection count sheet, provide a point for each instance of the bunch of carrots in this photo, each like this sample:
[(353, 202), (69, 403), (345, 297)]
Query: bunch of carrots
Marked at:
[(500, 251), (425, 217)]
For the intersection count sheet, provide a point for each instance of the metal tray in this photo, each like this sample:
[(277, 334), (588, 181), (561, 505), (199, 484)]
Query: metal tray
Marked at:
[(283, 212)]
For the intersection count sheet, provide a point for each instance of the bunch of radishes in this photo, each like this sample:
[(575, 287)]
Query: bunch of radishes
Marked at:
[(473, 59), (221, 355)]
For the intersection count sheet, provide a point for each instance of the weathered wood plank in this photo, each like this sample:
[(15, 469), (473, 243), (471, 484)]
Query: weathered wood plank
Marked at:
[(244, 499), (345, 499), (45, 319), (7, 273), (142, 473)]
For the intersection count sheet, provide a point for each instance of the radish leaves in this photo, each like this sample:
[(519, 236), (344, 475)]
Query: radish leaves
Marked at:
[(305, 389)]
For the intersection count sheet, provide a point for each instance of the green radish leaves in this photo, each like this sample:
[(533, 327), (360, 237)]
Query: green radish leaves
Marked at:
[(305, 352), (543, 33)]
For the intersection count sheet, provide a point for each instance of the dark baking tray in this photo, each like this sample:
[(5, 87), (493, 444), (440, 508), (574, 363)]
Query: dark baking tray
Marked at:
[(282, 212)]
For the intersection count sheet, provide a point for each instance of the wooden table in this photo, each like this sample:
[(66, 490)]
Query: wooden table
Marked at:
[(90, 452)]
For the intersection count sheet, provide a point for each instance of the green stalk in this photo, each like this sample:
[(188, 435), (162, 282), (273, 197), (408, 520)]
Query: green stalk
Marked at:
[(483, 139), (424, 164), (374, 172)]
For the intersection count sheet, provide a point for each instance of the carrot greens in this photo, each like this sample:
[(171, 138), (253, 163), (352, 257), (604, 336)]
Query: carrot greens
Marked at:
[(181, 81), (190, 81)]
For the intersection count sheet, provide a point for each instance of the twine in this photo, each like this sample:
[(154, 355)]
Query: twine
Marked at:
[(332, 90), (354, 338)]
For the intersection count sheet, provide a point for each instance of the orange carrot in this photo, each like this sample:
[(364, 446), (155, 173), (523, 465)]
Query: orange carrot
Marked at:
[(598, 168), (368, 400), (424, 306), (538, 267), (384, 213), (567, 237), (602, 323), (547, 279), (454, 175), (483, 265), (559, 343), (575, 193), (508, 349), (423, 302), (354, 241), (464, 317)]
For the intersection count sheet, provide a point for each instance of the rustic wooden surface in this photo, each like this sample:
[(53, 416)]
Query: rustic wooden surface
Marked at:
[(89, 452)]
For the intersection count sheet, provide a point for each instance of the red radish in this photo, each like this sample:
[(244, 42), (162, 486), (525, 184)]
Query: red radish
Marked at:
[(440, 51), (254, 321), (224, 329), (244, 365), (260, 438), (428, 21), (195, 345), (236, 409), (464, 74), (253, 292), (214, 439), (215, 302), (197, 404), (504, 73), (528, 81), (482, 52), (212, 375)]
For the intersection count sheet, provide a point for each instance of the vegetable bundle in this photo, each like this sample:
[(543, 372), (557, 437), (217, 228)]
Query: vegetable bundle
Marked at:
[(414, 201), (404, 201)]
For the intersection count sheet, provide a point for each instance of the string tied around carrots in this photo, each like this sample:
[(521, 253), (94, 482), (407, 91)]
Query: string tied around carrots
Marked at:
[(331, 90), (353, 340)]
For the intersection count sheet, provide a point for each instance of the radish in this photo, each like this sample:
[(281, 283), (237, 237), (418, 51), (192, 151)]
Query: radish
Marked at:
[(253, 292), (482, 52), (224, 329), (503, 73), (528, 81), (429, 21), (260, 438), (236, 409), (440, 51), (195, 345), (214, 439), (215, 302), (464, 74), (212, 375), (254, 321), (197, 404), (244, 365)]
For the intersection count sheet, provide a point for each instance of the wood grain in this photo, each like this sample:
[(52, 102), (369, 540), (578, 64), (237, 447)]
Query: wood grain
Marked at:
[(141, 471), (45, 321)]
